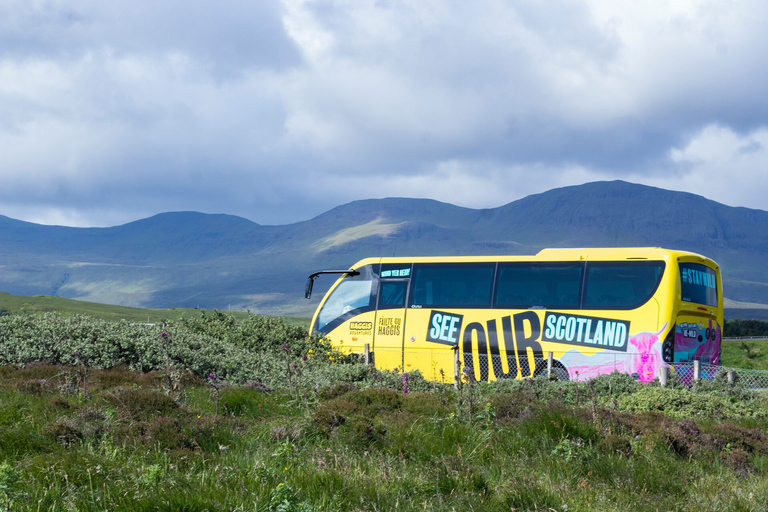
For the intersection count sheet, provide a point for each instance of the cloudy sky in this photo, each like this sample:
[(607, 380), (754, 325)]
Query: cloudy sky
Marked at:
[(279, 110)]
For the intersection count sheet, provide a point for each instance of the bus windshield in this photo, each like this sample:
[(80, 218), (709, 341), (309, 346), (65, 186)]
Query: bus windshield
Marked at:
[(354, 295)]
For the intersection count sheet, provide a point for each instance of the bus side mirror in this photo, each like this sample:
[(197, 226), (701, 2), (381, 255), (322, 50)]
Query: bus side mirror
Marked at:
[(312, 277)]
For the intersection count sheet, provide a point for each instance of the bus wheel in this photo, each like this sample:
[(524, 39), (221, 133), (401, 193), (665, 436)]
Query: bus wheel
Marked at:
[(559, 373)]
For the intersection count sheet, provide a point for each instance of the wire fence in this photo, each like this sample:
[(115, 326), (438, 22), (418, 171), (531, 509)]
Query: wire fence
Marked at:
[(441, 365), (750, 379)]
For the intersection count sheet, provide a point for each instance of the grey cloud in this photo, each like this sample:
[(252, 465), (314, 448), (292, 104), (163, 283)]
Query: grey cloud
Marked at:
[(228, 37), (270, 110), (684, 92)]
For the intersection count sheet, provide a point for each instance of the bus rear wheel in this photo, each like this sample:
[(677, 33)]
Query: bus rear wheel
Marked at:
[(559, 373)]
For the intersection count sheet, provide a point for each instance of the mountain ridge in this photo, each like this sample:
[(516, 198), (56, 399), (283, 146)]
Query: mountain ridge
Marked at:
[(191, 259)]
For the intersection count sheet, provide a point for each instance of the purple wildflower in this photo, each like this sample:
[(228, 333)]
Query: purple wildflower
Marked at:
[(405, 378)]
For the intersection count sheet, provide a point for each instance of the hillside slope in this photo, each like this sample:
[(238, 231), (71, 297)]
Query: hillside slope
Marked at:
[(188, 259)]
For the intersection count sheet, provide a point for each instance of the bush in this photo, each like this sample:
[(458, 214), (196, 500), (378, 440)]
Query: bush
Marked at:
[(142, 404), (358, 414), (264, 349), (515, 405), (683, 403)]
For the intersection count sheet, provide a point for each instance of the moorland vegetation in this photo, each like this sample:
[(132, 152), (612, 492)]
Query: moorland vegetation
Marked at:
[(219, 413)]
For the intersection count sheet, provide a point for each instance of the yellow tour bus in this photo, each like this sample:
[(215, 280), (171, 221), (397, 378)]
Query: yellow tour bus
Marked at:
[(597, 310)]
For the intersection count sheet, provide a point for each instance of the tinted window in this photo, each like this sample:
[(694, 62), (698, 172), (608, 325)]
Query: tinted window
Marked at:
[(698, 284), (351, 297), (392, 294), (452, 285), (621, 285), (526, 285)]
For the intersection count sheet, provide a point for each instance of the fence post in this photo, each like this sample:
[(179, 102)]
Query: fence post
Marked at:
[(731, 376), (696, 370), (663, 376), (456, 367), (549, 365), (367, 354)]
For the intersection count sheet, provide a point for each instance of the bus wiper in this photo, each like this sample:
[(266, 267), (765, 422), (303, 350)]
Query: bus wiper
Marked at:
[(312, 277)]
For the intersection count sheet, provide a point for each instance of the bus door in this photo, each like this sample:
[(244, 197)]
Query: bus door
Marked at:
[(388, 330), (697, 331)]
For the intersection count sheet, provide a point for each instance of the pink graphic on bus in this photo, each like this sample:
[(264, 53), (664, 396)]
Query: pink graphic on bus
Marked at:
[(643, 362), (647, 358), (694, 341)]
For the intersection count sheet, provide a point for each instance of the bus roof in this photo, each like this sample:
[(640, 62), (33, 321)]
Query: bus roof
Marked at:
[(564, 254)]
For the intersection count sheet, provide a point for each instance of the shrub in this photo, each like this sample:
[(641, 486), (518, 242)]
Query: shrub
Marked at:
[(335, 390), (358, 413), (614, 384), (64, 431), (256, 348), (166, 433), (683, 403), (425, 404), (612, 444), (728, 435), (142, 403), (514, 405)]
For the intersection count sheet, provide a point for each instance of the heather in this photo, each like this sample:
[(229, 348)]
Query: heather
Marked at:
[(223, 414)]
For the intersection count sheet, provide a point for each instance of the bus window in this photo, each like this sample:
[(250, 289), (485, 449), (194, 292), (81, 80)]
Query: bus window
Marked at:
[(621, 285), (526, 285), (351, 297), (698, 284), (452, 285), (392, 294)]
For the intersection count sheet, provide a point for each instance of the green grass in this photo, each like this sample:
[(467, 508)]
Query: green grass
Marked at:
[(129, 446), (747, 354), (17, 304), (138, 442)]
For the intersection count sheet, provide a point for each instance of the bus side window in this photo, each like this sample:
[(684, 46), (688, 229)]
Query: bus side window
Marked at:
[(548, 285), (621, 285), (452, 285), (392, 294)]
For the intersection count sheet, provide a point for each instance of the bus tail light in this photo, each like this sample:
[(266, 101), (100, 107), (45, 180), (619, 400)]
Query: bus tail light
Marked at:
[(668, 347)]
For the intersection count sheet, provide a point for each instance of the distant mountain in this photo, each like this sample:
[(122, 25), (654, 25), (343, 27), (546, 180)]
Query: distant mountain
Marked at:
[(188, 259)]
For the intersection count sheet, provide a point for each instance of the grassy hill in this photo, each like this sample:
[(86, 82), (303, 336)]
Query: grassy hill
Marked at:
[(194, 260), (15, 304)]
